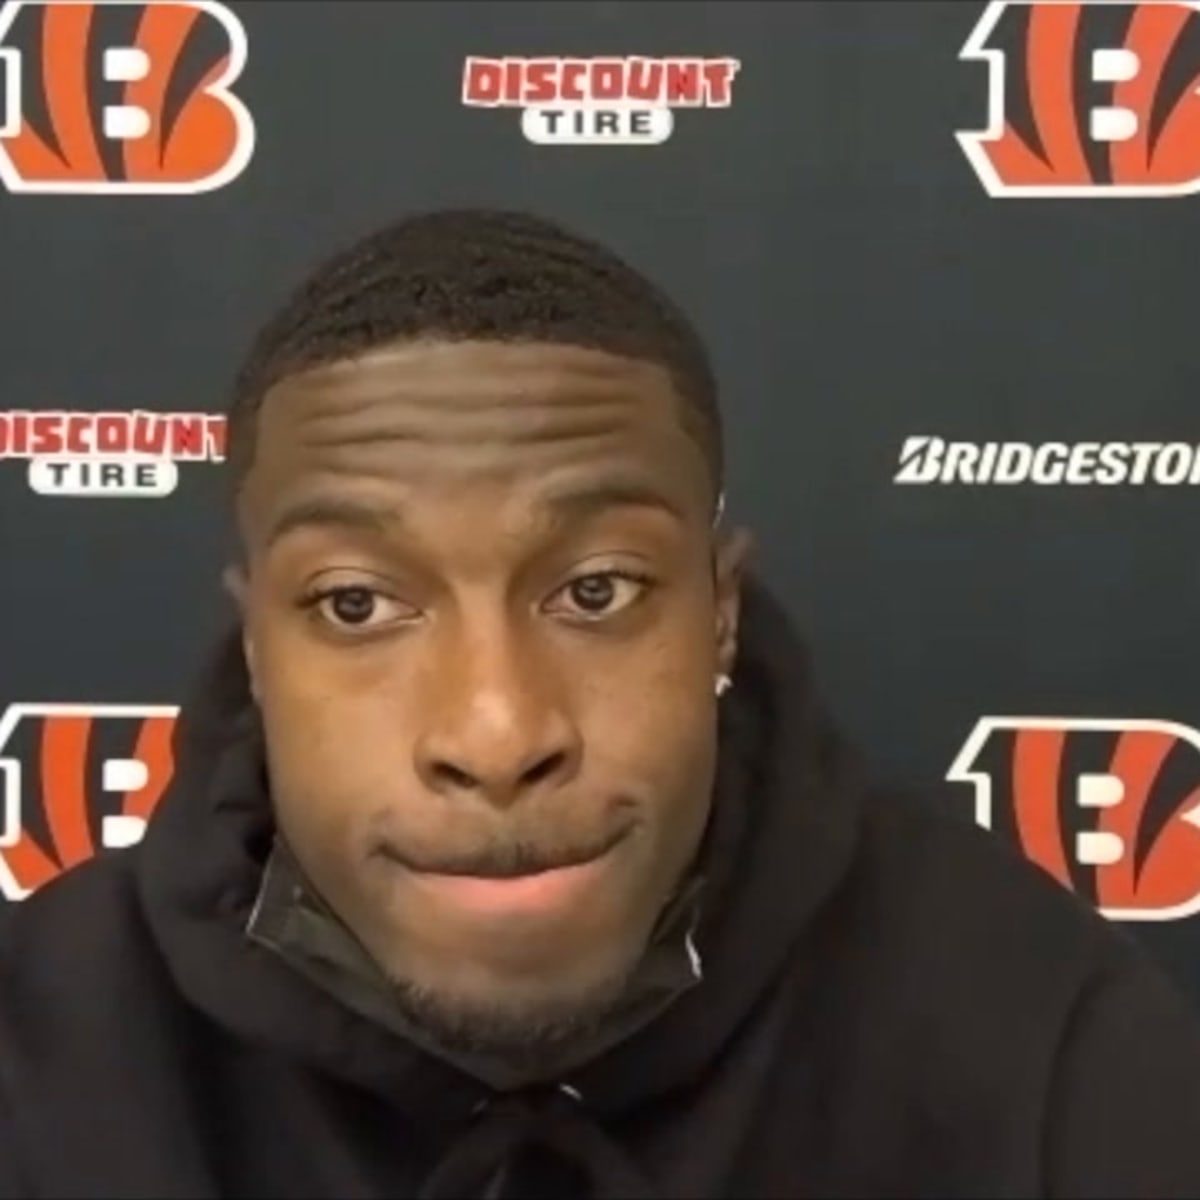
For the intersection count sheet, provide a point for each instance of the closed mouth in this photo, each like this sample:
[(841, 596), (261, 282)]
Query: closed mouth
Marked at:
[(514, 861)]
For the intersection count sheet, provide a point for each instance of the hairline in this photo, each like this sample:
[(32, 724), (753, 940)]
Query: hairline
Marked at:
[(245, 412)]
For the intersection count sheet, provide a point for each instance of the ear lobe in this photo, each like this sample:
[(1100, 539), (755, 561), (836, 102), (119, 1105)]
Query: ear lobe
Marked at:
[(251, 663), (233, 580)]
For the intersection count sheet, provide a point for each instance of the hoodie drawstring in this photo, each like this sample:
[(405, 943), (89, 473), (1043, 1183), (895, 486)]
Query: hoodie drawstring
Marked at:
[(555, 1122)]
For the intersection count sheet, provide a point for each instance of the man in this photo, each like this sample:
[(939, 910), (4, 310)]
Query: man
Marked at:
[(508, 853)]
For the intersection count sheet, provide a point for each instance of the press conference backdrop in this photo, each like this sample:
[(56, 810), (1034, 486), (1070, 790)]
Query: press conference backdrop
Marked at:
[(945, 255)]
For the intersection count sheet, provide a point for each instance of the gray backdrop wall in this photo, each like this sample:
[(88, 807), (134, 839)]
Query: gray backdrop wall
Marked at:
[(959, 374)]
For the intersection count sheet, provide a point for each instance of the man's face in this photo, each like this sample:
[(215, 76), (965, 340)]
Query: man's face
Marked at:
[(483, 626)]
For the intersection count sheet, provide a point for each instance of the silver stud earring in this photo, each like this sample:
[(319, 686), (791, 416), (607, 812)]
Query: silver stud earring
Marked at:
[(724, 683)]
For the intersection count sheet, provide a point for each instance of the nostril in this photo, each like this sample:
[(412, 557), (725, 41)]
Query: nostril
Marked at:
[(456, 776), (545, 768)]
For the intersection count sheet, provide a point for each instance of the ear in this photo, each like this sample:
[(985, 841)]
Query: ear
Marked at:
[(732, 555), (237, 585), (233, 580)]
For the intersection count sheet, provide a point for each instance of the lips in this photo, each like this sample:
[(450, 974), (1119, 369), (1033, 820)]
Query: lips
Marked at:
[(504, 892), (539, 894), (512, 860)]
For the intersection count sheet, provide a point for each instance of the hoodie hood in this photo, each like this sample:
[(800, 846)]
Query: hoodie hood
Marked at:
[(783, 829)]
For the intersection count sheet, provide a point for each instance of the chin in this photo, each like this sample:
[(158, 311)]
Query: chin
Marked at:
[(504, 1020), (472, 1002)]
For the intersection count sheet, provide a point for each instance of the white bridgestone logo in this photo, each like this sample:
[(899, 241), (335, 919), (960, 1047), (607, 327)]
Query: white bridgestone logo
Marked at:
[(928, 460)]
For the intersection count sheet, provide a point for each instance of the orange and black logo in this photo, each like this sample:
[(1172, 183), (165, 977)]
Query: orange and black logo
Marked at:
[(76, 779), (121, 98), (1093, 100), (1110, 808)]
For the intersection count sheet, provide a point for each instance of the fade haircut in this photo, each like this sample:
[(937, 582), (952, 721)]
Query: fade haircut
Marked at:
[(481, 276)]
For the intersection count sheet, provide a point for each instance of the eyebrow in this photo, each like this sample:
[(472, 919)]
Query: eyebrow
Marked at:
[(582, 500), (570, 504), (330, 512)]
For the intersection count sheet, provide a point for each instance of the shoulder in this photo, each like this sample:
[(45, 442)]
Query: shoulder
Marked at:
[(95, 1038), (79, 971), (90, 903), (942, 874), (973, 994), (80, 945), (957, 919), (944, 929)]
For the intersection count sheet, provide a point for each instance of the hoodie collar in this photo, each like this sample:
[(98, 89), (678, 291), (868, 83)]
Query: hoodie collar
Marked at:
[(290, 918)]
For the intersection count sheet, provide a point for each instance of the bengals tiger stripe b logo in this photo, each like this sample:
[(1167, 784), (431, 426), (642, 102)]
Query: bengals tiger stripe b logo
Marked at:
[(76, 779), (121, 98), (1093, 100), (1110, 808)]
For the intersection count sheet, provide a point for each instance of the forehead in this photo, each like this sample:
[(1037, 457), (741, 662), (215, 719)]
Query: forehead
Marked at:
[(452, 378), (419, 418)]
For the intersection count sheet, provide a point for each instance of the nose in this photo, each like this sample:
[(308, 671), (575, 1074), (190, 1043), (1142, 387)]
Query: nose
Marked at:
[(497, 729)]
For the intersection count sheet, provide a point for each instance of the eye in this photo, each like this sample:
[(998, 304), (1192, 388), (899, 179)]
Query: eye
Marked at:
[(355, 607), (602, 594)]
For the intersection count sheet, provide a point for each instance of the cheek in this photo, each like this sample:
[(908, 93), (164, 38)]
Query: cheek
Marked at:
[(653, 717), (330, 748)]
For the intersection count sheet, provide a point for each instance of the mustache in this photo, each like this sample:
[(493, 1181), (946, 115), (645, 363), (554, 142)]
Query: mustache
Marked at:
[(505, 859)]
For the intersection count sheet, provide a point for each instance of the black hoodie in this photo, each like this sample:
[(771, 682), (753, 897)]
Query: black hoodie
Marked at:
[(892, 1003)]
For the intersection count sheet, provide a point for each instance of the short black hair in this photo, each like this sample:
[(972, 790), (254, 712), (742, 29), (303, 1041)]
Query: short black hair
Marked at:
[(484, 276)]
